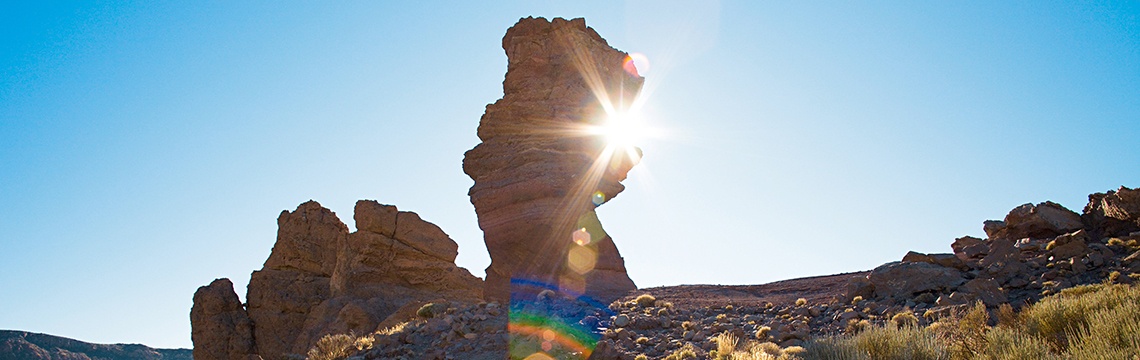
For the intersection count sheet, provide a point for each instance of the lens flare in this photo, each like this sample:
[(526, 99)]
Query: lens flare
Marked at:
[(581, 237), (556, 326), (636, 64), (581, 259), (598, 199)]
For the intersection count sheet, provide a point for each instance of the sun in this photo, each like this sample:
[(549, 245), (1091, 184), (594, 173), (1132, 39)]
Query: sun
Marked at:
[(622, 129)]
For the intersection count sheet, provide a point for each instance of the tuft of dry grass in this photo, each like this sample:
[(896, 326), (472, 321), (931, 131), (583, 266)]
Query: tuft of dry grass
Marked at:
[(645, 300), (339, 346)]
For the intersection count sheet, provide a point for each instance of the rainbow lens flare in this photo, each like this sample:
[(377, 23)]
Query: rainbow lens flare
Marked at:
[(598, 199), (549, 322)]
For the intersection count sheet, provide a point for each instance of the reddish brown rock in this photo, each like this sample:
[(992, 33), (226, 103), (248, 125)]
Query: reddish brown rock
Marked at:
[(1070, 246), (220, 327), (295, 278), (967, 248), (320, 279), (901, 280), (538, 168), (1115, 213), (1044, 220)]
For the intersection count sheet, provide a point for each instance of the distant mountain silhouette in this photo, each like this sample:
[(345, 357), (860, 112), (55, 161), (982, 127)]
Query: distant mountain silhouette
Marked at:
[(23, 345)]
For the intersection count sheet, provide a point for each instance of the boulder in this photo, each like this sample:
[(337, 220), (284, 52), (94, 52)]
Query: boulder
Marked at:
[(539, 171), (901, 280), (1003, 260), (989, 291), (1070, 246), (1044, 220), (221, 329), (858, 286), (1115, 213)]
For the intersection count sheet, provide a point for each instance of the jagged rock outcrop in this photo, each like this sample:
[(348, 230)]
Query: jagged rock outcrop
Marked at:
[(1044, 220), (1115, 213), (1036, 251), (321, 279), (220, 326), (539, 173)]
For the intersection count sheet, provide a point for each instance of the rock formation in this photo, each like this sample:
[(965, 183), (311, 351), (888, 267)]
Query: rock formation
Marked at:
[(321, 279), (1035, 251), (221, 327), (1113, 213), (539, 173)]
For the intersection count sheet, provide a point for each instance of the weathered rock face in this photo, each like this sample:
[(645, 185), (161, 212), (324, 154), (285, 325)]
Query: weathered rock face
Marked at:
[(1116, 213), (320, 279), (901, 280), (539, 173), (221, 327), (295, 278), (1044, 220)]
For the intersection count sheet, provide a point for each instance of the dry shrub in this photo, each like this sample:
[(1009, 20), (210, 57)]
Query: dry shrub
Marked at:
[(645, 300), (333, 347)]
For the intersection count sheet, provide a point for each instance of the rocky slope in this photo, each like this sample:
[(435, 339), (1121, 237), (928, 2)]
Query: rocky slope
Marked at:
[(23, 345)]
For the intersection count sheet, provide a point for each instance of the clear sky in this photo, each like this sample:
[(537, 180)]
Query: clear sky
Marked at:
[(147, 148)]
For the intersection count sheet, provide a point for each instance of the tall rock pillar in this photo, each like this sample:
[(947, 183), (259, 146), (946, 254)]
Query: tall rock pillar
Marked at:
[(542, 167)]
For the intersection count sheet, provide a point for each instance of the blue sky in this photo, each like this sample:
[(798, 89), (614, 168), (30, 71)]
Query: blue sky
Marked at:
[(147, 148)]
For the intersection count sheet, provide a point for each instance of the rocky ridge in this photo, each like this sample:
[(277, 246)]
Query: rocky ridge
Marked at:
[(23, 345)]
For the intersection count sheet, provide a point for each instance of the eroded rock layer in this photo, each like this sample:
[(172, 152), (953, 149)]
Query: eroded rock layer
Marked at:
[(539, 171), (321, 279)]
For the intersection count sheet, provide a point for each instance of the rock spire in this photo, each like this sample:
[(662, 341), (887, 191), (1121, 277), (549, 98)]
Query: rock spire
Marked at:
[(540, 172)]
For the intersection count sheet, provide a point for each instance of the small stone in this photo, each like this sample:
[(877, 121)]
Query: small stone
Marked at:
[(622, 320)]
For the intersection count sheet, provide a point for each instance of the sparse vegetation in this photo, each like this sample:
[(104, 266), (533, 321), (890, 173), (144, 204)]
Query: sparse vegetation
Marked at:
[(339, 346), (725, 344), (430, 310), (685, 352), (763, 332), (1085, 322), (395, 329), (645, 300), (801, 302)]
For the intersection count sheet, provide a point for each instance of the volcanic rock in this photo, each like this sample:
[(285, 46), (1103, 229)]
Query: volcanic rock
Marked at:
[(967, 248), (320, 279), (901, 280), (1115, 213), (1044, 220), (221, 329), (539, 171), (1070, 246)]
